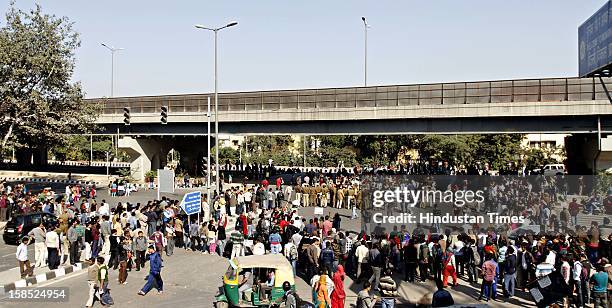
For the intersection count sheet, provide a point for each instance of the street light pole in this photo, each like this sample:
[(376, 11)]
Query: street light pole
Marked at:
[(208, 151), (365, 54), (216, 30), (216, 118), (112, 50)]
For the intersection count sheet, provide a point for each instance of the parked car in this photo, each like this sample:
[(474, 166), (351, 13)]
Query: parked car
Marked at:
[(554, 169), (19, 226)]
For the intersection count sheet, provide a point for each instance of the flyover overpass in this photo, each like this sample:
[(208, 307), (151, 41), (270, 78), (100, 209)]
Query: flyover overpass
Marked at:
[(560, 105), (554, 105)]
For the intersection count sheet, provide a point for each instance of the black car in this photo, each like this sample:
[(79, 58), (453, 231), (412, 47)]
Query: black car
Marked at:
[(19, 226)]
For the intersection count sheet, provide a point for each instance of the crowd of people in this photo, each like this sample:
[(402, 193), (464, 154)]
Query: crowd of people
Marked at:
[(265, 219)]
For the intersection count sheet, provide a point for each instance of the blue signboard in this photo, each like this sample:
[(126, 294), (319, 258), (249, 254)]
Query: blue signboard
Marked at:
[(594, 37), (192, 203)]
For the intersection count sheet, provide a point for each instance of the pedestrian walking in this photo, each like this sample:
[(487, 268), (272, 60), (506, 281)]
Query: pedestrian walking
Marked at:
[(338, 296), (92, 281), (139, 246), (237, 239), (22, 257), (154, 278)]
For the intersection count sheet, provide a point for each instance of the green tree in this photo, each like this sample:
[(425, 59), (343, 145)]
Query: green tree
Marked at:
[(40, 104), (258, 149), (227, 155)]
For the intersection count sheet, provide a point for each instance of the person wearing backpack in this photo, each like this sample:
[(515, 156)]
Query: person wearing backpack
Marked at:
[(438, 261), (423, 261), (410, 261), (102, 283), (290, 296), (472, 261), (584, 279), (375, 259), (489, 273), (292, 255)]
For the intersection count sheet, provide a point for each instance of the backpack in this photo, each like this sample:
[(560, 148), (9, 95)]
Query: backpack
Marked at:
[(438, 254), (424, 252), (293, 255), (239, 224), (584, 275), (475, 255)]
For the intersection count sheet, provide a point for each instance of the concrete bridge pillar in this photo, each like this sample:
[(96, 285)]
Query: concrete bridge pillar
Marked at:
[(145, 155), (583, 153)]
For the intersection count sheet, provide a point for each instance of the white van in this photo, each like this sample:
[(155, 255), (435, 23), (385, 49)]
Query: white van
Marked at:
[(553, 169)]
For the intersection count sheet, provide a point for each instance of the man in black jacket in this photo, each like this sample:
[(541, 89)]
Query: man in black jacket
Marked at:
[(115, 249), (410, 261)]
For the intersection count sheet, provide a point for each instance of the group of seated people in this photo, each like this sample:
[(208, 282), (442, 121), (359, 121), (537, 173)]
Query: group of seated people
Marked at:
[(264, 282)]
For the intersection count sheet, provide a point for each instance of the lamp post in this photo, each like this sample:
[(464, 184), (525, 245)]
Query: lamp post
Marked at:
[(216, 30), (365, 54), (208, 196), (112, 50)]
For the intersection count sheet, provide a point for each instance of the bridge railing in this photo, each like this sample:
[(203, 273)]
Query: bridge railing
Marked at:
[(501, 91)]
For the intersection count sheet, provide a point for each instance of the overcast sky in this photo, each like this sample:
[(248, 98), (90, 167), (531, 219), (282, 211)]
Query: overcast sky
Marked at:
[(317, 43)]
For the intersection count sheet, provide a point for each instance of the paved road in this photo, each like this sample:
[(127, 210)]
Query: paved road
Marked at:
[(7, 252), (190, 279)]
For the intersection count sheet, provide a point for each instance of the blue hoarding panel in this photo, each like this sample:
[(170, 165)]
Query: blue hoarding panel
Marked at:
[(594, 37)]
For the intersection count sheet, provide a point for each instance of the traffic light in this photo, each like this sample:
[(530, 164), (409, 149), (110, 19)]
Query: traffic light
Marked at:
[(126, 115), (164, 114)]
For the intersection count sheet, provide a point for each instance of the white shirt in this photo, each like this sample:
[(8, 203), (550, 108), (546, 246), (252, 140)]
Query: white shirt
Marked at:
[(298, 224), (248, 196), (52, 239), (458, 246), (104, 209), (22, 252), (259, 249), (577, 270), (565, 271), (296, 239), (288, 247), (361, 253), (550, 258)]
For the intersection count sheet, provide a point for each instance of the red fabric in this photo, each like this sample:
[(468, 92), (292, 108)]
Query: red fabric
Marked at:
[(244, 224), (338, 295), (279, 182)]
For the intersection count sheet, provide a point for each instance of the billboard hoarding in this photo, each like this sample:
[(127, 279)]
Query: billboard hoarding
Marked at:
[(594, 42)]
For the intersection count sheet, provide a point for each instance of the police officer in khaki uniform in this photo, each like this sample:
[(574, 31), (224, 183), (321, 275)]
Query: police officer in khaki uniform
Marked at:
[(324, 195), (306, 195), (298, 193), (319, 192), (313, 196)]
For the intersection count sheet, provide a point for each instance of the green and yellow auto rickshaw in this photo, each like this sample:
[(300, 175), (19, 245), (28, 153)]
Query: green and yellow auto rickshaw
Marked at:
[(258, 269)]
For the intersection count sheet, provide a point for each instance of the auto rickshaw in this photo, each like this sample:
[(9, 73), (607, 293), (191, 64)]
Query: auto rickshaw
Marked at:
[(229, 295)]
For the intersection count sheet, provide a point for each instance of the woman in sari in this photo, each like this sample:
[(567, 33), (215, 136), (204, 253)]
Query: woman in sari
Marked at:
[(338, 295), (323, 300)]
